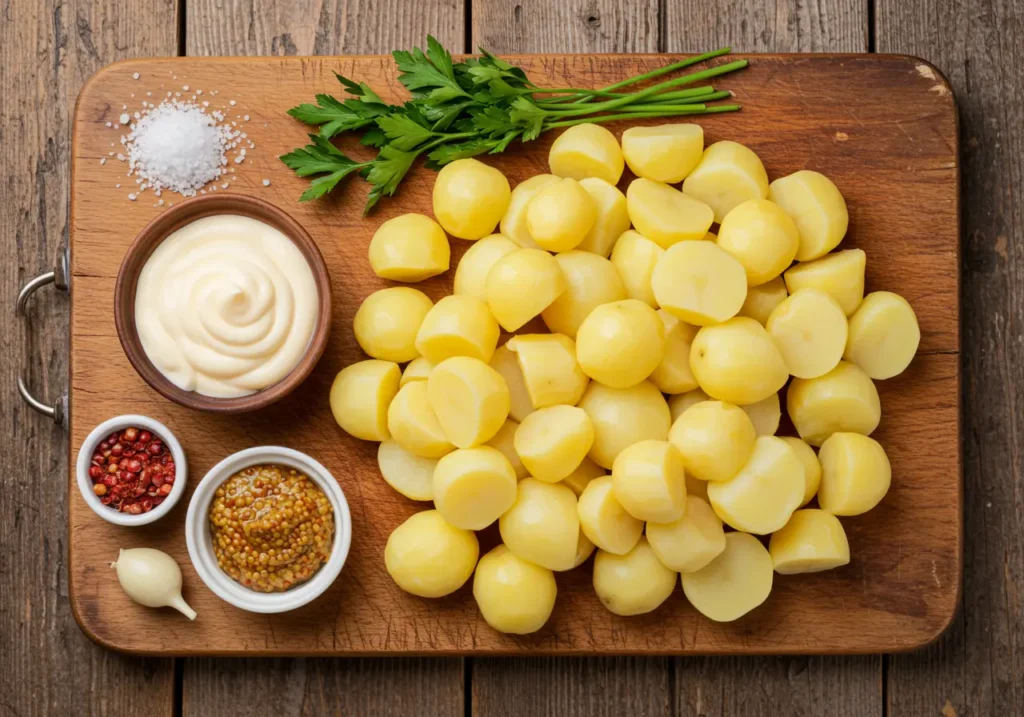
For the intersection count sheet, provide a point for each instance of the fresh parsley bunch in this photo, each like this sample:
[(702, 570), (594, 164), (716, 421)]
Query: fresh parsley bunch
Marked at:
[(476, 106)]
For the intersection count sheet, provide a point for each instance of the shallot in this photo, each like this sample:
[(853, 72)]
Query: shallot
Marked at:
[(151, 578)]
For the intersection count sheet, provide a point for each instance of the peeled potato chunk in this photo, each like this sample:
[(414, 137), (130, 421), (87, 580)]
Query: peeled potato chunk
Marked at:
[(734, 583), (737, 362), (410, 475), (414, 425), (591, 280), (715, 439), (586, 472), (843, 400), (623, 416), (635, 257), (470, 400), (542, 526), (506, 363), (810, 542), (665, 215), (812, 467), (550, 371), (765, 415), (504, 441), (649, 481), (634, 583), (522, 284), (470, 198), (817, 208), (699, 283), (664, 153), (621, 343), (458, 326), (387, 322), (360, 396), (604, 521), (514, 596), (884, 335), (762, 300), (690, 542), (473, 487), (769, 487), (762, 237), (679, 403), (587, 150), (612, 217), (560, 215), (673, 374), (416, 370), (584, 549), (513, 223), (840, 275), (855, 474), (553, 441), (476, 263), (429, 557), (410, 247), (727, 175), (809, 328)]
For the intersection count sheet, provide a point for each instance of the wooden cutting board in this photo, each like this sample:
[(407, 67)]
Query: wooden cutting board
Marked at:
[(884, 128)]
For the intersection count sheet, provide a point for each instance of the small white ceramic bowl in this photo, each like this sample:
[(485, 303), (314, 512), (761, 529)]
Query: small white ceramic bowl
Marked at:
[(200, 542), (119, 423)]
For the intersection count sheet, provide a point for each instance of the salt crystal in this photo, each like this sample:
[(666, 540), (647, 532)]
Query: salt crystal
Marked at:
[(224, 186), (124, 107), (266, 182), (199, 92), (120, 157), (117, 126), (185, 88), (103, 160), (206, 104), (117, 186), (160, 203), (110, 124), (132, 196), (246, 118), (135, 75), (232, 103)]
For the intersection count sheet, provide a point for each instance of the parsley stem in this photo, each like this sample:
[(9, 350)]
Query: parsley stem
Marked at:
[(664, 96), (693, 110)]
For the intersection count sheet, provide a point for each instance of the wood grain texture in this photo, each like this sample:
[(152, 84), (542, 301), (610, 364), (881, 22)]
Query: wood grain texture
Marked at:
[(977, 668), (902, 585), (47, 666)]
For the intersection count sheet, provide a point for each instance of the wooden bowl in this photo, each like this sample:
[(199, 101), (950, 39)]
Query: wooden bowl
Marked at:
[(163, 226)]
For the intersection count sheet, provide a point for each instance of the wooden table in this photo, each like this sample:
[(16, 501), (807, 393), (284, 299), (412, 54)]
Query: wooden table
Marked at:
[(48, 48)]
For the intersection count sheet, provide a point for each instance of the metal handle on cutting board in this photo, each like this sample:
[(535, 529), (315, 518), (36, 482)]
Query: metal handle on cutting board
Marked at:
[(58, 410)]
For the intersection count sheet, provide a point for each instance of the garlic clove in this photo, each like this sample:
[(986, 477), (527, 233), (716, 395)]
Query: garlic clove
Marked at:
[(152, 578)]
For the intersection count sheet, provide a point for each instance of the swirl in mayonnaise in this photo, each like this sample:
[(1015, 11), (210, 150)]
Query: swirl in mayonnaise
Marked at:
[(226, 306)]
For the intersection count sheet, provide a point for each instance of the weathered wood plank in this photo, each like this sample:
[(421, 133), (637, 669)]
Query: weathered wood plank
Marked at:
[(976, 668), (47, 50)]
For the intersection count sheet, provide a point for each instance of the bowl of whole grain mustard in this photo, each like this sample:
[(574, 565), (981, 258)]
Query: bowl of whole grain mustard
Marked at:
[(268, 529)]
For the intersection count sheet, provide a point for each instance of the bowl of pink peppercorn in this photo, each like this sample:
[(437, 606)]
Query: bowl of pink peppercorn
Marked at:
[(131, 470)]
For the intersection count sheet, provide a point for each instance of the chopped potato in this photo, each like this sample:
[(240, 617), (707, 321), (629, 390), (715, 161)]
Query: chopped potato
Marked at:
[(621, 343), (623, 416), (470, 399), (504, 441), (665, 215), (473, 487), (612, 217), (470, 198), (387, 322), (587, 150), (458, 325), (691, 541), (522, 284), (762, 300), (855, 474), (360, 396), (884, 335), (844, 399), (673, 374), (817, 208), (809, 328), (679, 403), (635, 257), (553, 441), (410, 247), (585, 473), (476, 263), (542, 526), (812, 466), (634, 583), (649, 481), (550, 371), (513, 223), (514, 595), (506, 363), (715, 439), (727, 175), (591, 280), (584, 549), (416, 370), (840, 275), (663, 153), (699, 283), (762, 237), (765, 415), (410, 475), (810, 542), (734, 583), (428, 557), (604, 521), (561, 215), (763, 495), (413, 424), (737, 362)]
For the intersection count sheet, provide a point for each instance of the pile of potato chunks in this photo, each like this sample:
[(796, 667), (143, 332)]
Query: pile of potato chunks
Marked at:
[(567, 438)]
